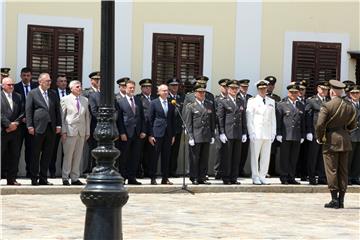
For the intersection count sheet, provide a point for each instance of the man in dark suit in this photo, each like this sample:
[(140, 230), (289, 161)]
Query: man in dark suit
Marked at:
[(200, 121), (147, 151), (23, 88), (12, 113), (94, 103), (161, 133), (336, 118), (174, 94), (244, 96), (61, 91), (232, 124), (43, 120), (290, 116), (314, 156), (131, 125)]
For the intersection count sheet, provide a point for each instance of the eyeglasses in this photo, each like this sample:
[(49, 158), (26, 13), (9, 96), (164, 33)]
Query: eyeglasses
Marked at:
[(9, 84)]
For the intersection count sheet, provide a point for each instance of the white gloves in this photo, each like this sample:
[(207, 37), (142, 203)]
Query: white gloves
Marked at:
[(301, 140), (279, 138), (252, 137), (212, 140), (223, 138), (244, 138), (191, 142), (309, 137)]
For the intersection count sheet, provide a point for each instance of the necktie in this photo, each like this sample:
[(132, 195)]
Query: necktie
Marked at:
[(264, 100), (165, 106), (46, 98), (132, 105), (78, 104), (26, 90), (10, 101), (63, 93)]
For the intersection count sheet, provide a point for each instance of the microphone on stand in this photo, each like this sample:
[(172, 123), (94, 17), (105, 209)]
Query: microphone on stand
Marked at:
[(173, 102)]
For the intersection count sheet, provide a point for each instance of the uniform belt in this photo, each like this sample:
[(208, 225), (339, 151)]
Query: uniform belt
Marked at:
[(335, 129)]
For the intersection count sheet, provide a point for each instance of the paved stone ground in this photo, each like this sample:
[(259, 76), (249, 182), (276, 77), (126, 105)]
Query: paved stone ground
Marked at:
[(185, 216)]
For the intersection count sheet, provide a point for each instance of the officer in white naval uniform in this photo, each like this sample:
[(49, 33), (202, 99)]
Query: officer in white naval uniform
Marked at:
[(261, 124)]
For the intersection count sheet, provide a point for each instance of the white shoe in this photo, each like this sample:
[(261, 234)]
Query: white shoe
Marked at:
[(264, 181), (256, 181)]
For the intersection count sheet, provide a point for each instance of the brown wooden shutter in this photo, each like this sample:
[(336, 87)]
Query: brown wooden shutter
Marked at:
[(315, 61), (179, 56), (55, 50)]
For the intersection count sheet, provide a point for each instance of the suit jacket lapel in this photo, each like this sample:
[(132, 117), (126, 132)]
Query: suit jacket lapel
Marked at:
[(42, 98), (7, 101)]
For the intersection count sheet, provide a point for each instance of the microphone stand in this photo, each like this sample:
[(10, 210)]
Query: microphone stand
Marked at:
[(184, 186)]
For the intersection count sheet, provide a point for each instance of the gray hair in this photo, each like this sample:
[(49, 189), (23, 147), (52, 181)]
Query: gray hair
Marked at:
[(73, 83), (42, 75), (7, 79)]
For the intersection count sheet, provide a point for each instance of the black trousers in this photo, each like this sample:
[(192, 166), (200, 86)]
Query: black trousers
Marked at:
[(230, 164), (199, 156), (220, 154), (174, 154), (244, 155), (129, 158), (272, 166), (162, 148), (44, 145), (289, 154), (91, 162), (52, 164), (10, 153), (147, 156), (315, 164), (301, 167), (29, 149), (354, 161)]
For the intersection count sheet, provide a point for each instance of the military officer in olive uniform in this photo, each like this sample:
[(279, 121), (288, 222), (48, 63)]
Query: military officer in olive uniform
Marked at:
[(354, 156), (200, 121), (349, 84), (336, 118), (219, 146), (95, 84), (270, 89), (174, 94), (314, 156), (231, 115), (244, 96), (290, 133)]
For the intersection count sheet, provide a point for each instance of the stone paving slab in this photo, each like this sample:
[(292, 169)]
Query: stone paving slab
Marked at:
[(186, 216), (215, 187)]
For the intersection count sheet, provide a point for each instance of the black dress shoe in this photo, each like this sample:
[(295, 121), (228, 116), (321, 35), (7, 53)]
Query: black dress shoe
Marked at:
[(293, 181), (66, 182), (226, 182), (13, 183), (78, 182), (133, 182), (166, 181), (332, 204), (34, 182), (235, 182), (153, 181), (217, 177), (205, 182), (355, 181), (285, 182), (45, 182), (312, 181), (195, 182)]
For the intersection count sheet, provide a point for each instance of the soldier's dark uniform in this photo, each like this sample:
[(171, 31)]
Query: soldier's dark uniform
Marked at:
[(354, 156), (275, 145), (219, 146), (121, 82), (291, 127), (147, 151), (336, 118), (232, 123), (200, 121), (245, 145), (179, 98), (93, 76), (314, 156)]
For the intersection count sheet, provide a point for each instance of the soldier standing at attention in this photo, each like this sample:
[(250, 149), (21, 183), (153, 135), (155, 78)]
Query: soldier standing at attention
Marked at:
[(122, 87), (200, 120), (336, 118), (94, 81)]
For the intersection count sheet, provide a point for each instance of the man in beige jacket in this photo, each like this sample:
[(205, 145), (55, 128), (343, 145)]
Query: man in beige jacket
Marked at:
[(75, 131)]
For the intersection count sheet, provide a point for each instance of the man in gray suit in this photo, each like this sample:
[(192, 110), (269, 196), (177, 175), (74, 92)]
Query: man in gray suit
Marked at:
[(75, 131), (231, 114), (43, 120), (290, 133), (200, 120)]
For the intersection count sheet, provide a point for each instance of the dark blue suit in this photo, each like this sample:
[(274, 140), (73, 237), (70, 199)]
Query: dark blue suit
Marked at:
[(162, 128), (131, 124)]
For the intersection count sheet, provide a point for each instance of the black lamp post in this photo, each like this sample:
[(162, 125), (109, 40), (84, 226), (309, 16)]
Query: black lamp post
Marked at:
[(104, 194)]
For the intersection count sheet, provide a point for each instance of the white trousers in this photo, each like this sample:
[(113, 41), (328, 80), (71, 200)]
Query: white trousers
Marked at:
[(260, 148), (73, 150)]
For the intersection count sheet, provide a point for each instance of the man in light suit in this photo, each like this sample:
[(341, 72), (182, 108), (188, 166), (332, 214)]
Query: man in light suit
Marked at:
[(75, 131), (12, 113), (23, 88), (131, 126), (43, 120), (261, 124), (161, 133)]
